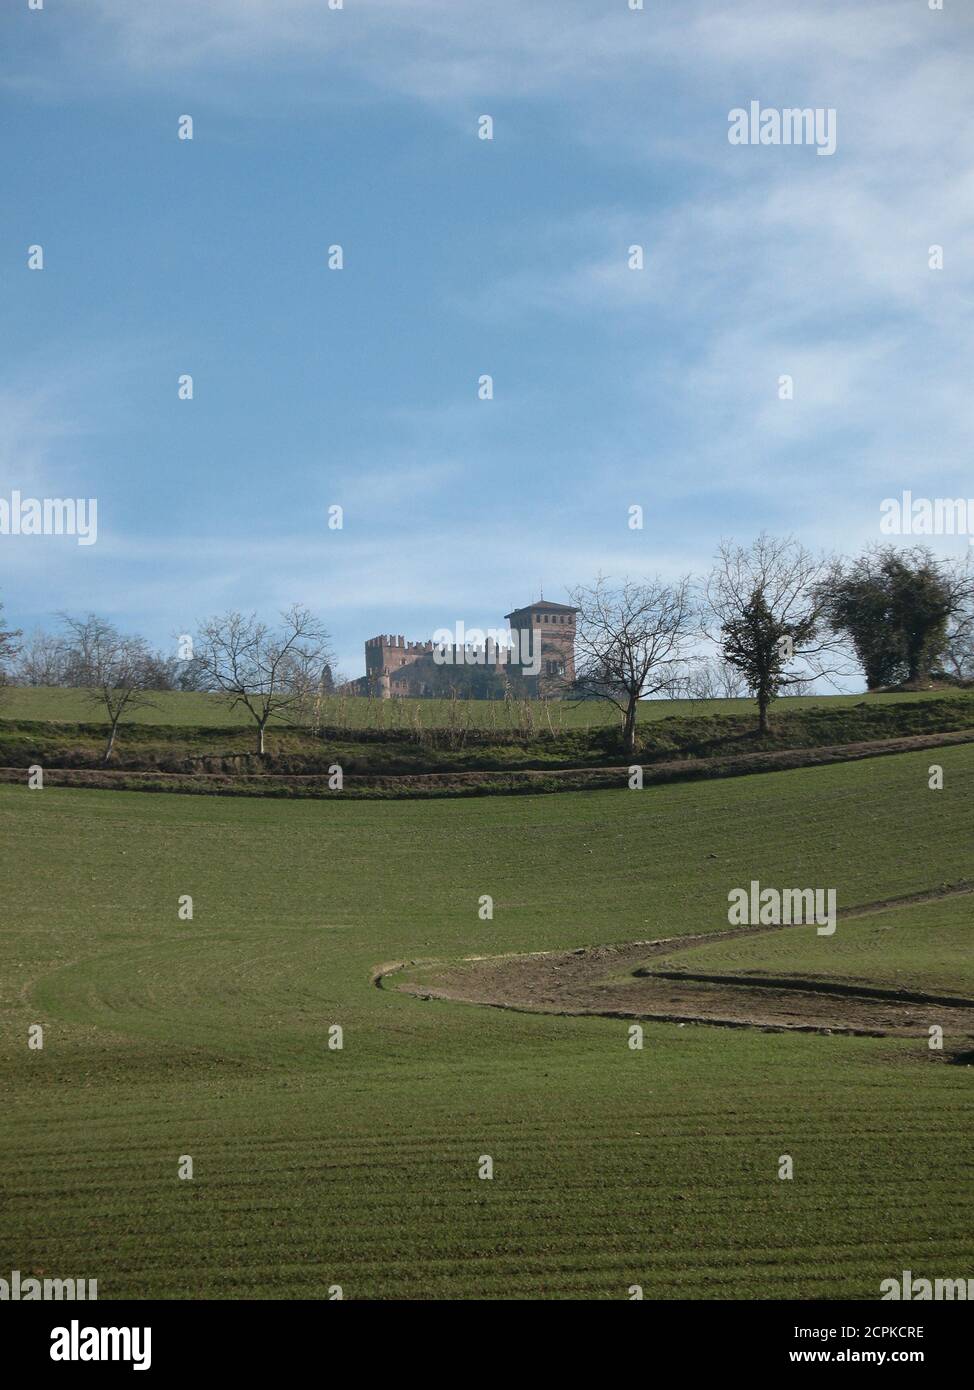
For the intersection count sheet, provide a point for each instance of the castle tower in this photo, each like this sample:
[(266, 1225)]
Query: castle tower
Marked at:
[(553, 625), (386, 656)]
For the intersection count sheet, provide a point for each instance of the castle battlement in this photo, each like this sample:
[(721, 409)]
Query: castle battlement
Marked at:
[(397, 642), (550, 624)]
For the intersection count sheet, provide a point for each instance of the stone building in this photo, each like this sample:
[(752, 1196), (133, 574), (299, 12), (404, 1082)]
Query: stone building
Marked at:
[(553, 627), (541, 660)]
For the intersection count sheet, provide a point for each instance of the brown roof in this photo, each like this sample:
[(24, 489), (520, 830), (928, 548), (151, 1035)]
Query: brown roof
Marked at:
[(546, 605)]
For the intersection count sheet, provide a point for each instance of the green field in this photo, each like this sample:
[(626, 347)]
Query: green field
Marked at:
[(926, 946), (209, 711), (359, 1167), (394, 758)]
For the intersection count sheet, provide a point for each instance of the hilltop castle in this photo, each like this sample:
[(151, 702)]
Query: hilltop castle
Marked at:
[(535, 657)]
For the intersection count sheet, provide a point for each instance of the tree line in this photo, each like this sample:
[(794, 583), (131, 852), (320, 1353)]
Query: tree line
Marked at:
[(770, 619), (777, 619), (273, 671)]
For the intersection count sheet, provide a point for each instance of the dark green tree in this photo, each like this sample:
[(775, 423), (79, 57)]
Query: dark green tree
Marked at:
[(896, 607), (765, 610), (762, 645)]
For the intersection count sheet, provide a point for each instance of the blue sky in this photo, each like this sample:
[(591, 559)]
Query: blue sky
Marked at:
[(462, 257)]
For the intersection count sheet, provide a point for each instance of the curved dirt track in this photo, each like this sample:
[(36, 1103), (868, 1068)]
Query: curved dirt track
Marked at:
[(483, 781), (615, 982)]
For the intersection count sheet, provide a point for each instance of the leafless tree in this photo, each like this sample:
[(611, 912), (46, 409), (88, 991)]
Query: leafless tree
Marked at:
[(959, 653), (8, 648), (266, 671), (765, 606), (959, 657), (114, 669), (716, 680), (40, 660), (632, 643)]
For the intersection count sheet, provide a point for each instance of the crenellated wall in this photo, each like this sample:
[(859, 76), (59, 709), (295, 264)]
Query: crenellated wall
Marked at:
[(552, 626)]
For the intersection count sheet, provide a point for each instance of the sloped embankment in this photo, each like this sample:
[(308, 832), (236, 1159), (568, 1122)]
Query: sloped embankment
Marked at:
[(483, 782)]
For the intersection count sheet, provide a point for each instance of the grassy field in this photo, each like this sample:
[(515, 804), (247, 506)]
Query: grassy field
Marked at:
[(209, 711), (923, 946), (407, 761), (359, 1167)]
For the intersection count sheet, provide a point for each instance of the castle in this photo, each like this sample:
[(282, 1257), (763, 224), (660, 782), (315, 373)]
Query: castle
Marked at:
[(536, 657)]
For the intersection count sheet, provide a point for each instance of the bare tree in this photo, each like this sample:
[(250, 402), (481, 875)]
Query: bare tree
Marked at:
[(959, 653), (313, 684), (632, 643), (115, 670), (959, 657), (716, 680), (40, 660), (8, 648), (267, 672), (765, 605)]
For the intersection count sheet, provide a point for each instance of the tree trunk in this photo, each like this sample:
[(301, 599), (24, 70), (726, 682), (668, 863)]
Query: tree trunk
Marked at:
[(629, 727), (260, 739), (763, 703), (111, 740)]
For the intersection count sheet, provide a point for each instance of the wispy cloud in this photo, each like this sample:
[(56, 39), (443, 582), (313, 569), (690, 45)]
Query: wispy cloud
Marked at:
[(758, 262), (446, 50)]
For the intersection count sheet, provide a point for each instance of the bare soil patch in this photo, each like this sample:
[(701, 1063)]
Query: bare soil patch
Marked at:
[(615, 982)]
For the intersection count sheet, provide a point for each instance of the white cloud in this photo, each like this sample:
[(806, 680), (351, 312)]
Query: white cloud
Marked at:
[(758, 262), (446, 50)]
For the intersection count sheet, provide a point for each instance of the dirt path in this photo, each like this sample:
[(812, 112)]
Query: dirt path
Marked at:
[(615, 982), (487, 780)]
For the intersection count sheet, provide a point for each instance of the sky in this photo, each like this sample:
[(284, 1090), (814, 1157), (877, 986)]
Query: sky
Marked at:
[(314, 387)]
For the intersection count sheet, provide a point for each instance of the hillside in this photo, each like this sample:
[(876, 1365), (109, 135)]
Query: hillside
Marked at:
[(454, 760), (359, 1167)]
